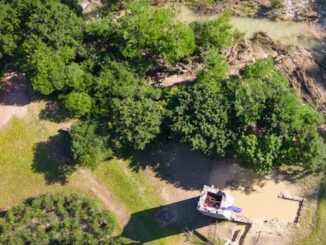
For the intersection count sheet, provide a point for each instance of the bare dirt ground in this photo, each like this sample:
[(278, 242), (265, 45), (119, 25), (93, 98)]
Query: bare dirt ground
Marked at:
[(13, 101), (181, 173)]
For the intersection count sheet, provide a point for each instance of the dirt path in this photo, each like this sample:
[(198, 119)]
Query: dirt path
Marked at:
[(118, 209), (13, 101)]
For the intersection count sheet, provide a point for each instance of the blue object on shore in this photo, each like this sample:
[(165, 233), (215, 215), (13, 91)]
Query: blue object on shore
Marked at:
[(233, 209)]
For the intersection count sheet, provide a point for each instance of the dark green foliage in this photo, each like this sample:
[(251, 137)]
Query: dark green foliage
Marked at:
[(200, 117), (259, 115), (56, 219), (258, 153), (89, 146), (151, 31), (133, 112), (27, 24), (9, 23), (78, 103), (51, 22), (135, 122), (276, 125)]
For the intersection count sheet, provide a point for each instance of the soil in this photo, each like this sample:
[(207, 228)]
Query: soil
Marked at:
[(13, 100), (181, 174), (118, 209), (304, 69)]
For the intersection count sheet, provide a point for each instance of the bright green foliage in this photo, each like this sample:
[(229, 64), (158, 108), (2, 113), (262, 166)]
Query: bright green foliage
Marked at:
[(78, 103), (88, 146), (135, 122), (47, 69), (148, 30), (76, 78), (215, 67), (56, 219), (9, 23), (200, 119), (217, 33), (259, 153)]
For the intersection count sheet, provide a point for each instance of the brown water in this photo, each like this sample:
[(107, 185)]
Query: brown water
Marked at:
[(287, 32)]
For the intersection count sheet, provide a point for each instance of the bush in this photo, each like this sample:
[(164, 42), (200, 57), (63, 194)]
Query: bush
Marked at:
[(151, 30), (56, 219), (218, 33), (88, 146), (78, 104)]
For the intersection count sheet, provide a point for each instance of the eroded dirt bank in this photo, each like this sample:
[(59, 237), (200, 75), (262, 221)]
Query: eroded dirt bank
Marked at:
[(304, 69)]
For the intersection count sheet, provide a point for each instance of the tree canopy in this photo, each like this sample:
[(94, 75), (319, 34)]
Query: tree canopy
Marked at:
[(98, 70), (56, 219), (147, 30)]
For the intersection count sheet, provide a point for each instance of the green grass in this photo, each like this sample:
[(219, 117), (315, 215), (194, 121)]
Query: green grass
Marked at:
[(317, 236), (29, 159), (141, 196)]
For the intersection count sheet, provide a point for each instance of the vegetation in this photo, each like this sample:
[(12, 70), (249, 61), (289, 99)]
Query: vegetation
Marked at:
[(258, 117), (56, 219), (150, 31), (88, 146), (317, 236), (98, 70)]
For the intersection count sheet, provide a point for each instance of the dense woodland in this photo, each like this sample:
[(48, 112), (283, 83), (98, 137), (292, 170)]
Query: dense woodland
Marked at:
[(98, 69)]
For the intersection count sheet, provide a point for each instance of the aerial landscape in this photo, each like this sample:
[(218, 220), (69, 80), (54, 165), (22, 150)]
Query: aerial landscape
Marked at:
[(163, 122)]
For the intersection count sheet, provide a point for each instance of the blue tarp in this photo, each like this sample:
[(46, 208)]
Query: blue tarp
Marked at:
[(233, 209)]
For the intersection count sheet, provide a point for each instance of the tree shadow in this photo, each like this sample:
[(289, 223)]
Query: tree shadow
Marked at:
[(54, 112), (191, 170), (53, 159), (164, 221), (17, 91)]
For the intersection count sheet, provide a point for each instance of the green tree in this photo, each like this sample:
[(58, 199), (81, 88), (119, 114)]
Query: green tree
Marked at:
[(200, 114), (259, 153), (51, 22), (117, 81), (147, 30), (218, 32), (89, 147), (9, 22), (200, 120), (275, 126), (47, 68), (56, 219), (135, 122), (78, 103)]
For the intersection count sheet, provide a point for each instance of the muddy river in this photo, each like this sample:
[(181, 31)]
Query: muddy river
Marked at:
[(287, 32)]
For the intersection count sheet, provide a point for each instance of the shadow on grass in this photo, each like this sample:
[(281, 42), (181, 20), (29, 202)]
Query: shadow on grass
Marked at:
[(54, 112), (164, 221), (190, 170), (53, 159)]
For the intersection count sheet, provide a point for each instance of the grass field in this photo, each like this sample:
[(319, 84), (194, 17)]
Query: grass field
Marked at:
[(31, 158), (139, 195), (317, 236), (34, 160)]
